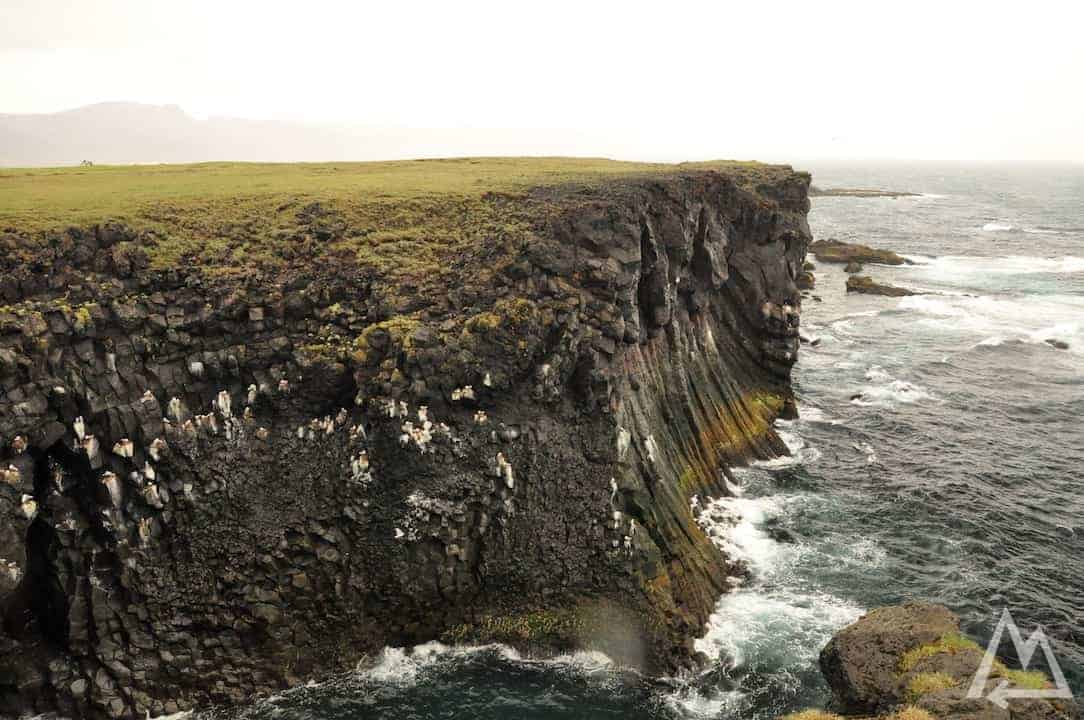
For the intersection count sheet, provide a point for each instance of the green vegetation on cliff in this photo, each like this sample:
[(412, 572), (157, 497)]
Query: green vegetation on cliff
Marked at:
[(392, 216)]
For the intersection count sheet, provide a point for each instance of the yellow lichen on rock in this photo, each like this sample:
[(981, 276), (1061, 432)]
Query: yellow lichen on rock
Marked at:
[(926, 683), (911, 712), (950, 644), (811, 714)]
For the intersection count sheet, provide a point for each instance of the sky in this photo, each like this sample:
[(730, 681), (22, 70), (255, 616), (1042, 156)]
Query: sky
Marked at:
[(667, 80)]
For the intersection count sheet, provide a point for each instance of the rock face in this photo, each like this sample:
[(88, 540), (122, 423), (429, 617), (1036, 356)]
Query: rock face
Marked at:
[(837, 251), (217, 486), (867, 285), (914, 654)]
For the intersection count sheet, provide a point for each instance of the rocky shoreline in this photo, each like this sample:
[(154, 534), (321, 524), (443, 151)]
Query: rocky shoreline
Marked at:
[(221, 484)]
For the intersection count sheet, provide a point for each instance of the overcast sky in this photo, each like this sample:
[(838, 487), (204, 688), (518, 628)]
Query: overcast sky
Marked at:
[(662, 80)]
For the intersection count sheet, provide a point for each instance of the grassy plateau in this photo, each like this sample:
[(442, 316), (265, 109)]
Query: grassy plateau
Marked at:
[(396, 217)]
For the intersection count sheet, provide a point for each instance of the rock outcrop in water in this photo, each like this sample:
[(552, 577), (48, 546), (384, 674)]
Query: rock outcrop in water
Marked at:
[(868, 286), (914, 656), (220, 485), (837, 251)]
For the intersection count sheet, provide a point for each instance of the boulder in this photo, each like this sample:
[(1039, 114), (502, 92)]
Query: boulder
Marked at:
[(914, 655), (837, 251), (868, 286), (862, 662)]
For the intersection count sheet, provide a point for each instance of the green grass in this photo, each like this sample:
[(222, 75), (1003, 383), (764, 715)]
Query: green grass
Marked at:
[(925, 683), (950, 644), (396, 217), (812, 714), (48, 197), (1028, 679), (910, 712)]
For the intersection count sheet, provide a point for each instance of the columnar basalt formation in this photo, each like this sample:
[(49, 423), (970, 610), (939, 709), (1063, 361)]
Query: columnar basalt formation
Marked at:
[(219, 485)]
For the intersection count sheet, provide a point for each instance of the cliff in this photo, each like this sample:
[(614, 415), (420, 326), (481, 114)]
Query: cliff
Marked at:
[(252, 436)]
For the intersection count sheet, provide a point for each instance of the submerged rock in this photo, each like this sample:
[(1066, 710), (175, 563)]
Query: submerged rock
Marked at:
[(853, 267), (1055, 343), (868, 286)]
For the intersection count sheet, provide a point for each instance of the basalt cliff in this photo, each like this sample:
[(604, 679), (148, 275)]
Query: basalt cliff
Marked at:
[(217, 484)]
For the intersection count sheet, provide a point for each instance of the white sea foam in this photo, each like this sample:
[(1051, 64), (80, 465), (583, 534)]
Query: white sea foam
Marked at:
[(689, 702), (950, 267), (800, 452), (403, 665), (813, 414), (780, 630), (996, 227), (998, 320), (885, 390)]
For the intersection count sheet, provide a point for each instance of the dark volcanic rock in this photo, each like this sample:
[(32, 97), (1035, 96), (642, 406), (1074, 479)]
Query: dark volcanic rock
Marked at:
[(914, 654), (1059, 344), (837, 251), (867, 285), (862, 662), (229, 484)]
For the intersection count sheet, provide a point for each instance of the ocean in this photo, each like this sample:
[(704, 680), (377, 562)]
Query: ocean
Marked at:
[(937, 457)]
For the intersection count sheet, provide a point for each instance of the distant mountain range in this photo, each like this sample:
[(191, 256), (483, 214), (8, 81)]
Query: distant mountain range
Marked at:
[(120, 132)]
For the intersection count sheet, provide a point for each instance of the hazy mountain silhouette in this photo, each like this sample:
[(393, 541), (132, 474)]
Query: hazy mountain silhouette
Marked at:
[(120, 132)]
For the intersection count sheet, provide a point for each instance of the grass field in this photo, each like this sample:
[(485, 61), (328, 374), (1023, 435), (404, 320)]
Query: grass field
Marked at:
[(226, 216)]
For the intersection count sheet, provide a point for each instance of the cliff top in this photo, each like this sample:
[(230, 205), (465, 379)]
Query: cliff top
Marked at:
[(392, 216)]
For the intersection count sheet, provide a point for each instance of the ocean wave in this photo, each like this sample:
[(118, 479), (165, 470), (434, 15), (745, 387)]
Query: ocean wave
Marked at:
[(885, 390), (1001, 320), (996, 227), (403, 666), (951, 267), (778, 629), (1049, 230), (690, 701), (774, 628), (800, 452), (813, 414)]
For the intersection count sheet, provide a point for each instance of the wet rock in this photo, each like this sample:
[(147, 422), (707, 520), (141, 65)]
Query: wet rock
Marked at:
[(837, 251), (867, 286), (853, 266), (1055, 343)]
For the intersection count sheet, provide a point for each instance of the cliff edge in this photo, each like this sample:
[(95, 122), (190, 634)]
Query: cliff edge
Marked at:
[(253, 430)]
